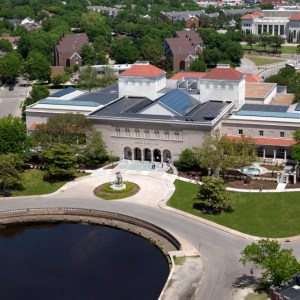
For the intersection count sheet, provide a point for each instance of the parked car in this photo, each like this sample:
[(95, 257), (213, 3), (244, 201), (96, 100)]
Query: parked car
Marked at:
[(11, 88)]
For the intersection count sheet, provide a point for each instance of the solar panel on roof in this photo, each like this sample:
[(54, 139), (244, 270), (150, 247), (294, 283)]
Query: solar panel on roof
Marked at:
[(265, 107), (177, 100), (68, 102), (138, 106), (63, 92), (268, 114)]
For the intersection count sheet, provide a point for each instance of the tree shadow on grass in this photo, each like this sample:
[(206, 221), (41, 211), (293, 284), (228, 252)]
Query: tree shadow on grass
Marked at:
[(211, 211)]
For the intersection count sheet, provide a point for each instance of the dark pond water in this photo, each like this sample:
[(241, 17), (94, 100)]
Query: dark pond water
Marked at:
[(74, 261)]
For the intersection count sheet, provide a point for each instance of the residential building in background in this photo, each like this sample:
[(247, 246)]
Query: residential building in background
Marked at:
[(67, 51)]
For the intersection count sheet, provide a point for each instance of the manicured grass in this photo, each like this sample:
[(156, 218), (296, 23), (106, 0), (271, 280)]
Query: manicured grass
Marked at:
[(259, 214), (105, 192), (259, 61), (283, 49), (33, 183), (179, 260), (261, 296)]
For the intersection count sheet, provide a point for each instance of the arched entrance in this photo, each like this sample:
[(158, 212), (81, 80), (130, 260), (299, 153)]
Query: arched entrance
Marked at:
[(147, 154), (157, 155), (167, 156), (137, 154), (127, 153)]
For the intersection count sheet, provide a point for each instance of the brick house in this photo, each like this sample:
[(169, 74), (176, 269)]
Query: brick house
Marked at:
[(68, 50), (183, 49), (192, 22)]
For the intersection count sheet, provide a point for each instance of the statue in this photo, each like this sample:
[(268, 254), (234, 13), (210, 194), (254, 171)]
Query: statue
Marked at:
[(119, 178)]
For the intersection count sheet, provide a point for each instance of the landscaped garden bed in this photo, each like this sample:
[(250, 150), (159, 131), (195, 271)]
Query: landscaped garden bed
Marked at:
[(105, 191)]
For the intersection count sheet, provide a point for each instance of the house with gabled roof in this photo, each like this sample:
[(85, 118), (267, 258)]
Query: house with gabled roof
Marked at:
[(67, 51), (183, 49)]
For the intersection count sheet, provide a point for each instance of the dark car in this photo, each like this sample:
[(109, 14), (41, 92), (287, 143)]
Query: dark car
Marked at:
[(11, 88)]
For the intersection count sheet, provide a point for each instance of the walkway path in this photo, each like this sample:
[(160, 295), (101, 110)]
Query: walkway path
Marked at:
[(219, 246)]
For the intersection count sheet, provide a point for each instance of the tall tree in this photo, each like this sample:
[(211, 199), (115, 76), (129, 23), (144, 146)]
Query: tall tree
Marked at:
[(278, 264), (88, 54), (13, 136), (251, 39), (10, 66), (212, 195), (10, 165), (123, 51), (37, 66), (296, 147), (89, 78), (95, 24), (72, 129), (60, 161), (219, 153), (187, 160)]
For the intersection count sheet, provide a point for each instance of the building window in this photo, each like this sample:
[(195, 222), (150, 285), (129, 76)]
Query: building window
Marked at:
[(223, 86), (275, 29), (176, 136), (166, 135), (261, 133), (240, 131), (281, 151), (137, 133), (281, 134), (270, 29), (259, 29), (127, 132), (147, 134), (117, 131), (265, 28), (281, 29), (156, 134)]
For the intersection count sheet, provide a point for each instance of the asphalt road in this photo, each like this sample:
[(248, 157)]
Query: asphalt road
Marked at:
[(11, 101), (219, 249)]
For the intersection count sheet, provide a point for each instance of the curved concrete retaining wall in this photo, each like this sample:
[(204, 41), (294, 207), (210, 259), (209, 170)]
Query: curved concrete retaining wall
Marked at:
[(158, 236)]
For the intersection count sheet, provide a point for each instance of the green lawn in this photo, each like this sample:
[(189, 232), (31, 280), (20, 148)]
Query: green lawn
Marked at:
[(283, 49), (261, 296), (259, 61), (33, 183), (259, 214)]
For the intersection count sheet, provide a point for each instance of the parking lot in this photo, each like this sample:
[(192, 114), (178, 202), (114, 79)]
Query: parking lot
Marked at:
[(11, 100)]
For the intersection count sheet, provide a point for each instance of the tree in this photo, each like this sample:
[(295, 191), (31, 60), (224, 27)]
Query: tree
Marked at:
[(10, 165), (187, 160), (94, 153), (88, 78), (264, 40), (10, 66), (123, 51), (198, 65), (212, 56), (276, 41), (218, 153), (5, 46), (212, 195), (13, 136), (72, 129), (251, 39), (108, 77), (296, 147), (278, 265), (37, 66), (88, 55), (60, 161), (233, 51), (38, 92), (94, 24)]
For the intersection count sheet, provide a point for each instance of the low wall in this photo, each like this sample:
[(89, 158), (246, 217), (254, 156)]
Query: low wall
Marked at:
[(158, 236)]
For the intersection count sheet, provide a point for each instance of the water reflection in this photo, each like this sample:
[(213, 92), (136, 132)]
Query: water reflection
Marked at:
[(74, 261)]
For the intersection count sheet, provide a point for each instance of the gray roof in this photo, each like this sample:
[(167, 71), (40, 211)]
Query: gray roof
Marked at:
[(102, 97), (265, 107), (182, 15), (239, 11), (126, 106)]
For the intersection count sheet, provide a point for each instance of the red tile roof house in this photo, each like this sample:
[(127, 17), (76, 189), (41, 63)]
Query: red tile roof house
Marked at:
[(183, 48), (68, 50)]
